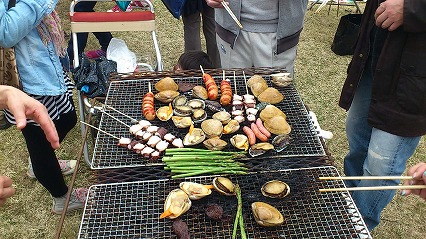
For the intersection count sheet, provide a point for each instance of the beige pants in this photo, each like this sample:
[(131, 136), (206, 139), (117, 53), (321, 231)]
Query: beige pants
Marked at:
[(255, 50)]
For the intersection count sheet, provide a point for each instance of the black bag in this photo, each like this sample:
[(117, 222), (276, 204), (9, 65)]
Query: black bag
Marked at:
[(91, 76), (346, 34)]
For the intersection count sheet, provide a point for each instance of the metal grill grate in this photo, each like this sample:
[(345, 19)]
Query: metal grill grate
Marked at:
[(131, 210), (126, 96)]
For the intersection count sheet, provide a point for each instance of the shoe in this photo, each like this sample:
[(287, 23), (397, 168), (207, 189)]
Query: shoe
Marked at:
[(95, 54), (67, 167), (77, 201)]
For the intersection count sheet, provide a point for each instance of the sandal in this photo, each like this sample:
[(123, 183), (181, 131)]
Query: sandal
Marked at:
[(67, 168)]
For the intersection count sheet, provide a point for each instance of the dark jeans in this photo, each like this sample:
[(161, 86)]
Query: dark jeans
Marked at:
[(43, 158), (103, 37)]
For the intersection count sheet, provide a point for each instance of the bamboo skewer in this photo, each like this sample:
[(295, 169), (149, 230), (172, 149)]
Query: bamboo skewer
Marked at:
[(245, 82), (367, 178), (123, 114), (231, 14), (115, 118), (235, 84), (102, 131), (373, 188)]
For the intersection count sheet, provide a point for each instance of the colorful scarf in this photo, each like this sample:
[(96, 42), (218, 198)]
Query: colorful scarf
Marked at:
[(50, 29)]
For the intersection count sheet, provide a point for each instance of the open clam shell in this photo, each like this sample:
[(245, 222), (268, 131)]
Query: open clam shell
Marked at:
[(176, 204), (164, 113), (215, 143), (182, 121), (231, 127), (275, 189), (281, 142), (224, 186), (194, 136), (195, 191), (266, 215), (281, 79), (212, 128), (223, 116), (196, 104), (260, 148), (240, 141)]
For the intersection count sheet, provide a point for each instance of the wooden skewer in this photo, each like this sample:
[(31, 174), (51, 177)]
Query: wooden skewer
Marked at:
[(123, 114), (367, 178), (245, 82), (115, 137), (116, 119), (201, 68), (231, 14), (235, 84), (372, 188)]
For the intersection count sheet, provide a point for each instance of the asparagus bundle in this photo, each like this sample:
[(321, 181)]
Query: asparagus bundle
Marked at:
[(186, 162)]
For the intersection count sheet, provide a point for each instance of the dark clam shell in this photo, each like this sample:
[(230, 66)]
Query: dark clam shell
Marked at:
[(213, 106), (281, 142)]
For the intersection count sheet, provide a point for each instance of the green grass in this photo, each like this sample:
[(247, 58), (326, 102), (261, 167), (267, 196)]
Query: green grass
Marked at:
[(319, 77)]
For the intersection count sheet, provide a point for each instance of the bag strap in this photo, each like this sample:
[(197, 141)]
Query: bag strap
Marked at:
[(12, 3)]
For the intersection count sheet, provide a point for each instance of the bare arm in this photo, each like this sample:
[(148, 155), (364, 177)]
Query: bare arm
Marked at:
[(22, 107)]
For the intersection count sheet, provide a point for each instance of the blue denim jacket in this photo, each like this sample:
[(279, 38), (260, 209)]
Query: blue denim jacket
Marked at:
[(39, 66)]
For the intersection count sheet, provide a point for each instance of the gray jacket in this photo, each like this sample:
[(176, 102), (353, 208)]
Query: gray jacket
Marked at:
[(290, 23)]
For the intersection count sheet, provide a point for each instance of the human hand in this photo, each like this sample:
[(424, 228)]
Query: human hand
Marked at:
[(390, 14), (6, 189), (418, 172), (215, 3), (22, 107)]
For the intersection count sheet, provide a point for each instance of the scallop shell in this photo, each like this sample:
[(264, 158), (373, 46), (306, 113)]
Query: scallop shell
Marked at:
[(166, 83), (270, 95), (270, 111), (166, 96), (257, 84), (275, 189), (212, 128), (231, 127), (266, 215), (277, 125), (240, 141), (199, 92), (215, 143), (223, 116), (224, 186)]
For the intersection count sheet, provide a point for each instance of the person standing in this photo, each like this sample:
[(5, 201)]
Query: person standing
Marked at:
[(192, 13), (33, 28), (269, 37), (385, 93)]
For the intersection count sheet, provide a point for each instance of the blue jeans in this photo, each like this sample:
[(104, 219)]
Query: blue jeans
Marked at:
[(373, 152)]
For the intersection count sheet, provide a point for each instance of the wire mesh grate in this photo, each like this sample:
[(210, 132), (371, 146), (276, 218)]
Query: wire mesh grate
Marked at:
[(132, 210), (126, 96)]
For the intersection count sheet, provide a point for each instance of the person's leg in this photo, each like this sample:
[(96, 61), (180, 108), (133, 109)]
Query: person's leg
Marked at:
[(387, 156), (191, 32), (358, 131), (237, 57), (210, 35), (104, 39)]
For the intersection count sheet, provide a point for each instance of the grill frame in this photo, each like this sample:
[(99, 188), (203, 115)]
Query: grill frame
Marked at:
[(106, 154), (118, 210)]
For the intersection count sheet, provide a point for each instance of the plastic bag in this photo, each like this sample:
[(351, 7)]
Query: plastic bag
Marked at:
[(126, 60)]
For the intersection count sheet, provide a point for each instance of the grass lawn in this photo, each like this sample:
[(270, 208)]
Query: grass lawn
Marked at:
[(319, 76)]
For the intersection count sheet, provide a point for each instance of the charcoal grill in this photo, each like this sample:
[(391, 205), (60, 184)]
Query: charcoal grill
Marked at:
[(126, 96), (132, 209)]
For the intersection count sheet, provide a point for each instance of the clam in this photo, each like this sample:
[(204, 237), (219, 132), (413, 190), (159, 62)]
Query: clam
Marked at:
[(214, 106), (196, 191), (270, 95), (275, 189), (281, 79), (196, 104), (231, 127), (182, 121), (224, 186), (199, 115), (281, 142), (266, 215), (270, 111), (164, 113), (194, 136), (212, 128), (180, 100), (240, 141), (182, 110), (257, 84), (199, 92), (260, 148), (166, 83), (277, 125), (215, 143), (223, 116), (176, 204), (166, 96)]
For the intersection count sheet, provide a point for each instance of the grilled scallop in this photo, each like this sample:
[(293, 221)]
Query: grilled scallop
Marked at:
[(275, 189), (224, 186), (176, 204), (266, 215), (196, 191)]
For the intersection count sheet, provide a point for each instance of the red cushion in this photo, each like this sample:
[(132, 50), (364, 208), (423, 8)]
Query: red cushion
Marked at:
[(112, 16)]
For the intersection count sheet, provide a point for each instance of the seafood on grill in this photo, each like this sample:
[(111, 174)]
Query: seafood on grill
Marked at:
[(215, 143), (199, 115), (266, 215), (282, 79), (212, 128), (226, 92), (164, 113), (195, 191), (148, 109), (223, 116), (180, 229), (166, 96), (214, 211), (212, 89), (240, 141), (185, 86), (176, 204), (196, 104), (231, 127), (200, 92), (257, 84), (194, 136), (224, 186), (281, 142), (277, 125), (213, 106), (270, 111), (182, 121), (179, 100), (182, 110), (260, 148), (270, 95), (275, 189), (167, 83)]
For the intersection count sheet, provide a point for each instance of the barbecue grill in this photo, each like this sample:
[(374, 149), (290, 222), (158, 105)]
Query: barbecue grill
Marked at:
[(126, 97), (132, 209)]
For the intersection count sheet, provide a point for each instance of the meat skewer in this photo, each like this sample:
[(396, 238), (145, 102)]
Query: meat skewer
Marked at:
[(148, 108), (237, 104), (123, 114), (212, 89), (249, 103), (226, 91)]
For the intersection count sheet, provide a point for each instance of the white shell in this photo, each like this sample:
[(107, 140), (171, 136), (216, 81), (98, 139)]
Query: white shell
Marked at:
[(195, 191)]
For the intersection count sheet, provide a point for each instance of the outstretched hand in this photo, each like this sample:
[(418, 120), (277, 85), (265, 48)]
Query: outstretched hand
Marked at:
[(418, 172), (390, 14), (6, 189)]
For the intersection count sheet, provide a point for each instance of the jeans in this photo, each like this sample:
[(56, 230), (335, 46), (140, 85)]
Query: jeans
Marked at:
[(373, 152)]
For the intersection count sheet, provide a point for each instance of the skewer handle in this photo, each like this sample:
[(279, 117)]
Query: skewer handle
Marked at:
[(115, 118), (245, 82), (115, 137), (123, 114), (235, 84), (367, 178), (201, 68), (372, 188)]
